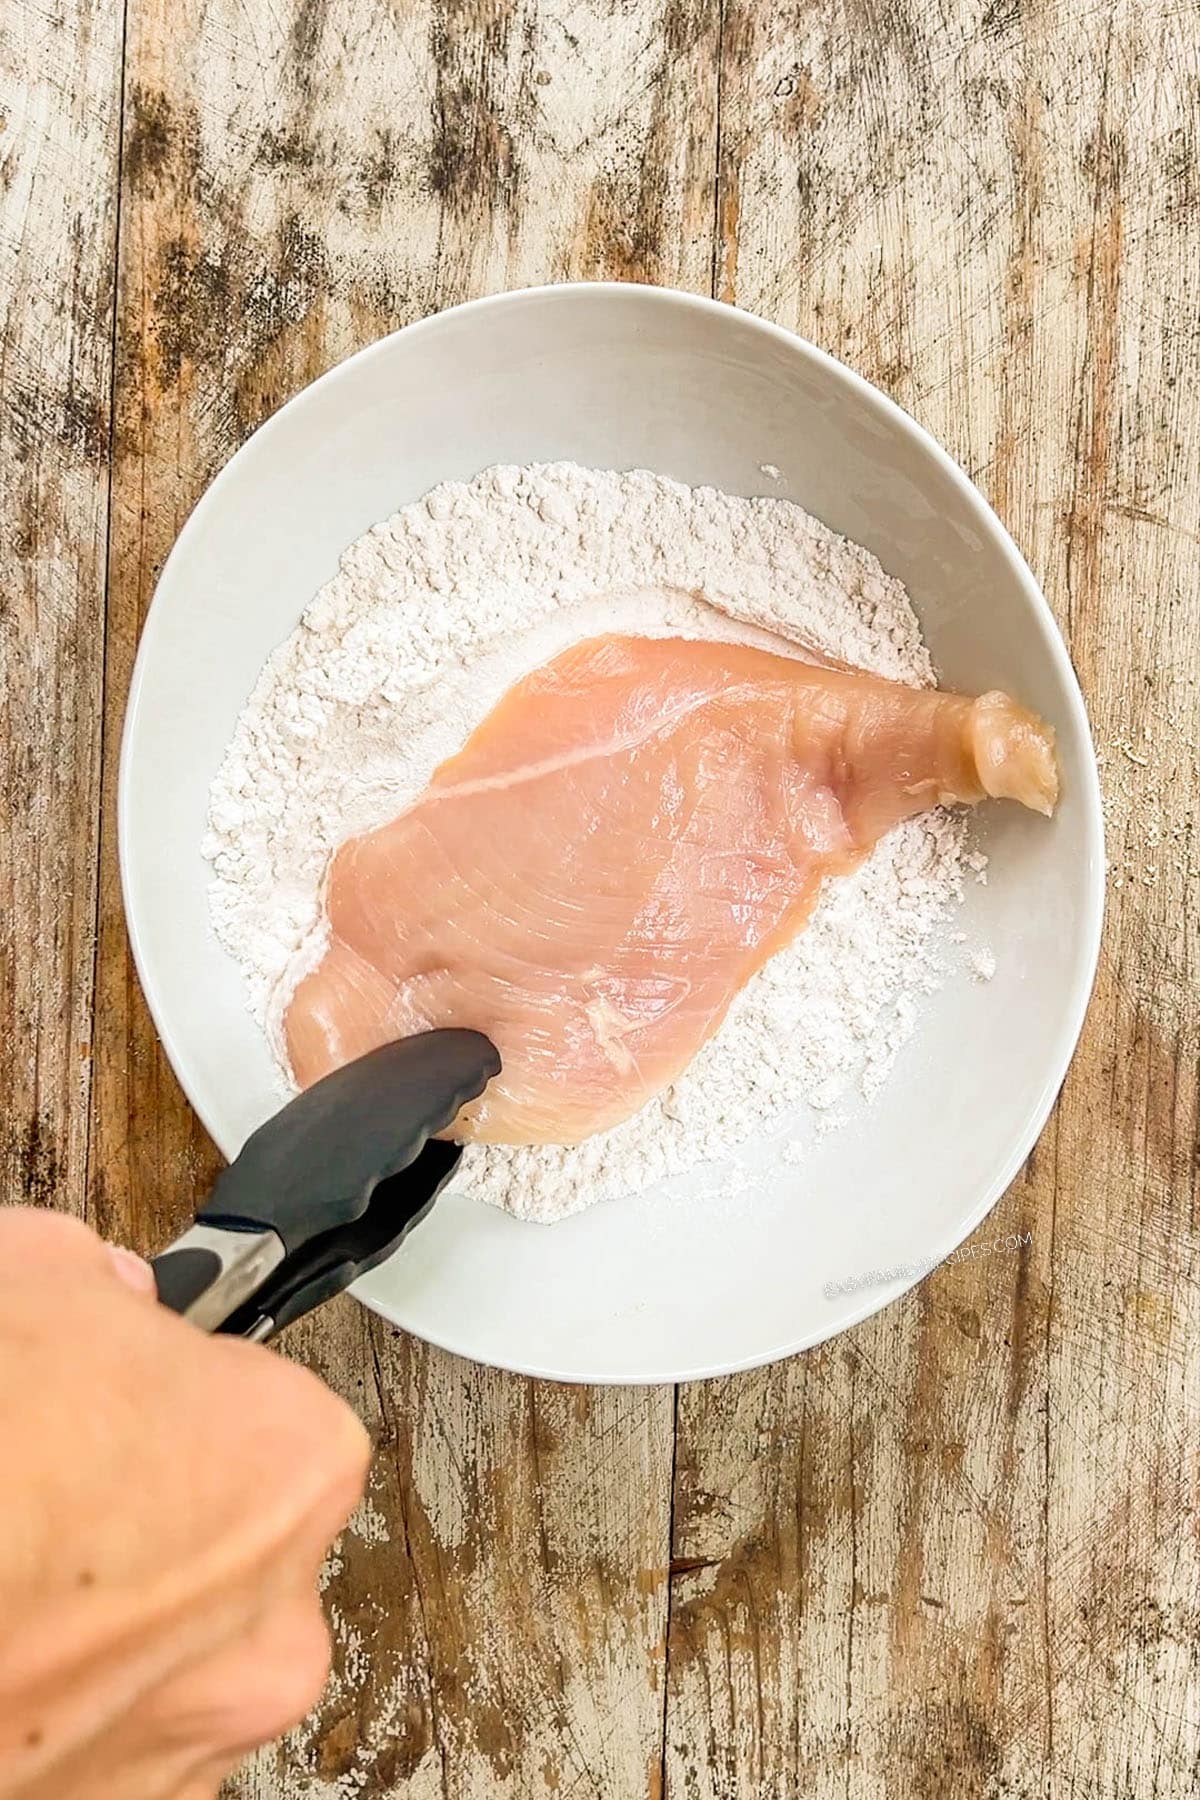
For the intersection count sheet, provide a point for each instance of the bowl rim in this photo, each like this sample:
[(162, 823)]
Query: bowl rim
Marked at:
[(1087, 949)]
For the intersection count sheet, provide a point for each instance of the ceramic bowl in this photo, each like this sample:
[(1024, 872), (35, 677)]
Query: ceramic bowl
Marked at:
[(691, 1279)]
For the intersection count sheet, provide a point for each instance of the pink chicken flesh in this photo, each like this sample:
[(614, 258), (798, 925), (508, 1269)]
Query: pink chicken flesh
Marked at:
[(630, 833)]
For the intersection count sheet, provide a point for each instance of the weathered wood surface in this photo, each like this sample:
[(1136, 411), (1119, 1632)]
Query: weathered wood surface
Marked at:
[(59, 135), (954, 1553)]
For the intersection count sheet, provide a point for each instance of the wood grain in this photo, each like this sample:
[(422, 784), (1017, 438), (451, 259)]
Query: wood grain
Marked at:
[(953, 1553), (59, 127), (934, 1558)]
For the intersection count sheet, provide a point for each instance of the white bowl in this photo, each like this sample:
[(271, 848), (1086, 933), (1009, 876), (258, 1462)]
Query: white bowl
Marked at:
[(674, 1284)]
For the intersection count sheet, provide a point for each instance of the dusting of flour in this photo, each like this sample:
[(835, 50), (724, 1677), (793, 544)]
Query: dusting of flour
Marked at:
[(431, 616)]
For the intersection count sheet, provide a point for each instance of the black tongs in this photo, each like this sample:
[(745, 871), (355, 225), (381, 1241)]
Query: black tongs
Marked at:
[(327, 1188)]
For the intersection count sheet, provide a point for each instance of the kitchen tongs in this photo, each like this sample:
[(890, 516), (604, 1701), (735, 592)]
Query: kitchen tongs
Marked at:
[(327, 1188)]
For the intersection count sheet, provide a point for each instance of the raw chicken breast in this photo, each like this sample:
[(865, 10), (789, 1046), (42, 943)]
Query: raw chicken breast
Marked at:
[(622, 842)]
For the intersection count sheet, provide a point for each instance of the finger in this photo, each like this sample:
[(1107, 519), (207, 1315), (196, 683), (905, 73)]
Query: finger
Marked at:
[(315, 1453), (250, 1691), (35, 1238), (132, 1269), (206, 1785)]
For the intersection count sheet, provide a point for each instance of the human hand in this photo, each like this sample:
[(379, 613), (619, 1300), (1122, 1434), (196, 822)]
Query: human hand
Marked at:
[(165, 1505)]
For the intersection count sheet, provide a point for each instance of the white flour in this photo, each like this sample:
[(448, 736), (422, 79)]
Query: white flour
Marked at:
[(431, 616)]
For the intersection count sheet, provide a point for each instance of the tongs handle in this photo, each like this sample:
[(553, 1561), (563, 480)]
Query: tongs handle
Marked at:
[(212, 1270), (328, 1187)]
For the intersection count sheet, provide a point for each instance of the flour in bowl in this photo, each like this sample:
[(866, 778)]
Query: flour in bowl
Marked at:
[(431, 617)]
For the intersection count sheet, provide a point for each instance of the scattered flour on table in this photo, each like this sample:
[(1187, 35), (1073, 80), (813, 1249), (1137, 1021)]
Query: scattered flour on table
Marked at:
[(431, 616)]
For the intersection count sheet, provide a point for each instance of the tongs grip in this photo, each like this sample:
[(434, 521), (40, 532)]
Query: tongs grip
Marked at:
[(328, 1187), (210, 1271)]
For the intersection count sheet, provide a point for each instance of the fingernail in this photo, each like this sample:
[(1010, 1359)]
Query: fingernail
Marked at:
[(131, 1268)]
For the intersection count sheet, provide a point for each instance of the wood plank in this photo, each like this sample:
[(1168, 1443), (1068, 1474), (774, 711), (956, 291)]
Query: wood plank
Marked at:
[(499, 1603), (949, 1554), (59, 138), (296, 181)]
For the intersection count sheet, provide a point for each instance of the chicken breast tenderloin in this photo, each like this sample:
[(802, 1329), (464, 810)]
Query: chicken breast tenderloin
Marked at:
[(625, 839)]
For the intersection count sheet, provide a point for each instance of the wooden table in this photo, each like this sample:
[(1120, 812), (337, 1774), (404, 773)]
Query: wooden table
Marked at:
[(954, 1552)]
